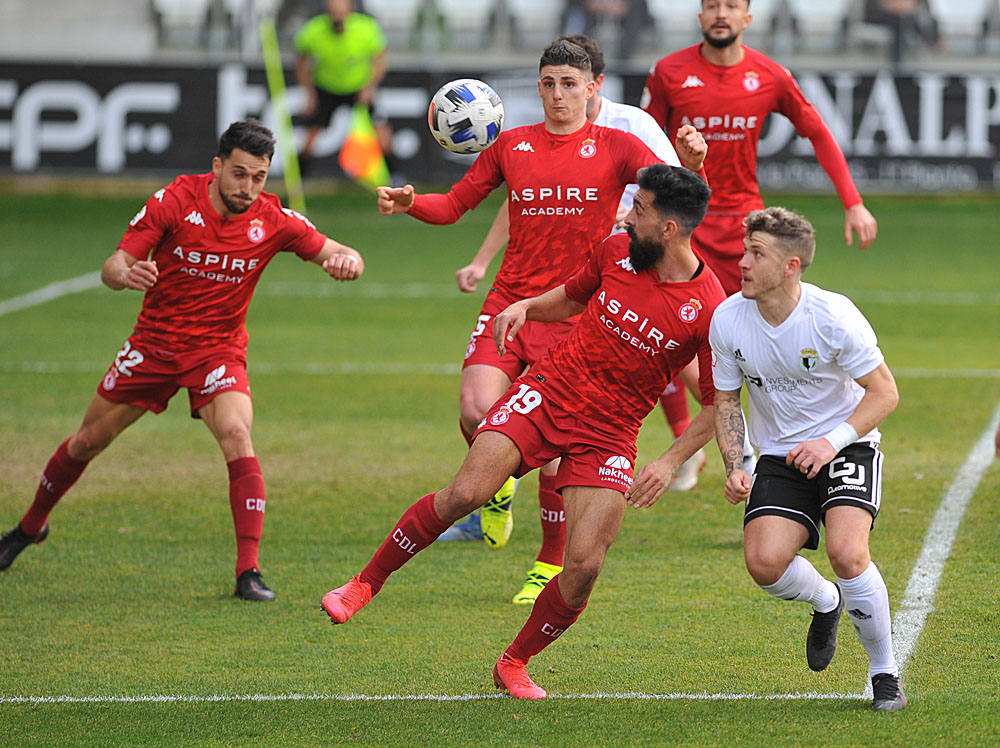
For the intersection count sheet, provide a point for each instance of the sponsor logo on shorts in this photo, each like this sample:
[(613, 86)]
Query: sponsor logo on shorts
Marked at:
[(110, 380), (500, 417), (471, 348), (217, 380), (614, 471)]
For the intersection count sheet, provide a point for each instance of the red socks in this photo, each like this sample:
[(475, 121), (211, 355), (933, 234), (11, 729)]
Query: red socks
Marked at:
[(675, 407), (59, 475), (553, 517), (246, 500), (550, 617), (417, 528)]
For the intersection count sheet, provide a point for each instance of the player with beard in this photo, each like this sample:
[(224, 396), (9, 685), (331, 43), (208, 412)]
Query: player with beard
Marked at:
[(726, 90), (646, 301), (195, 250)]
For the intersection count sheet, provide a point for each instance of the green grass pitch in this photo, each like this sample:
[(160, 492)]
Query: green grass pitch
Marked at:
[(356, 399)]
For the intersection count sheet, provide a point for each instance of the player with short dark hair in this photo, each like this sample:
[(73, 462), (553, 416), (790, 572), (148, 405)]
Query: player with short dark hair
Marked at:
[(564, 176), (196, 250), (727, 90), (819, 387), (646, 300)]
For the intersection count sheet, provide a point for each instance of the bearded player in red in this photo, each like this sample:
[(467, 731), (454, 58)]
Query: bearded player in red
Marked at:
[(565, 177), (647, 300), (726, 90), (196, 250)]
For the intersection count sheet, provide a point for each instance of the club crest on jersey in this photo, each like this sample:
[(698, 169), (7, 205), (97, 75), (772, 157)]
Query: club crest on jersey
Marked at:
[(688, 311), (751, 81), (809, 359), (110, 380), (589, 148), (256, 231), (500, 417)]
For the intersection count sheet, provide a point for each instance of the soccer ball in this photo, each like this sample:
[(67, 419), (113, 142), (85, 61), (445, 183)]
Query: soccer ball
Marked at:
[(465, 116)]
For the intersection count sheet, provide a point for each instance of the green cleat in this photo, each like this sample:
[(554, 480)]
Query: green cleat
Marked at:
[(539, 576), (496, 518)]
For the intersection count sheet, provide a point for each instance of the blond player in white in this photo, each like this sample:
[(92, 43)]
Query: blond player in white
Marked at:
[(819, 387)]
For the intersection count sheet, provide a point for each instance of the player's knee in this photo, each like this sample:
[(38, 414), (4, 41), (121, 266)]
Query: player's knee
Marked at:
[(472, 410), (848, 561), (86, 444), (765, 567), (464, 496)]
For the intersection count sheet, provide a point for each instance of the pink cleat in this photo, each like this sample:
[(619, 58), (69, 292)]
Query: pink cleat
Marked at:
[(342, 603), (511, 675)]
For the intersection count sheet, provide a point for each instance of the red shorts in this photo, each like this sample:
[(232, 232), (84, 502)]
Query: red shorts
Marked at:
[(531, 342), (719, 242), (543, 430), (148, 377)]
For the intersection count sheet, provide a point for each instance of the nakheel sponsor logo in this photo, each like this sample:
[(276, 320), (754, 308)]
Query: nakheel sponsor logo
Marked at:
[(217, 380), (615, 468)]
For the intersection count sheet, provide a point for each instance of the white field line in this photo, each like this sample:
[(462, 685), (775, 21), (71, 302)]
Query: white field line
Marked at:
[(402, 368), (638, 696), (50, 292), (918, 600)]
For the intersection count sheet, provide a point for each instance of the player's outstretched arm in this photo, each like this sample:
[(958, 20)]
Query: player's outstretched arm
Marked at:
[(879, 400), (122, 270), (654, 478), (340, 261), (468, 277), (691, 147), (729, 434), (551, 306), (395, 199), (858, 219)]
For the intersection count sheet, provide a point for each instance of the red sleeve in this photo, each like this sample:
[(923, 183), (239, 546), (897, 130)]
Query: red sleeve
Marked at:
[(654, 98), (809, 124), (484, 176), (585, 281), (303, 238), (148, 227), (631, 154)]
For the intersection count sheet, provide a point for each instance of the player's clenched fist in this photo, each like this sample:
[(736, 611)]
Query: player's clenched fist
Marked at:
[(691, 147), (394, 199)]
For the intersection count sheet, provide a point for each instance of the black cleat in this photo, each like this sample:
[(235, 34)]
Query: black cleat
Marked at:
[(821, 641), (16, 541), (250, 586), (888, 694)]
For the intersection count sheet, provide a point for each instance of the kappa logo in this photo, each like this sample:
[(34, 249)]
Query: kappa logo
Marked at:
[(619, 462), (195, 218), (692, 81), (525, 146), (625, 263), (215, 375)]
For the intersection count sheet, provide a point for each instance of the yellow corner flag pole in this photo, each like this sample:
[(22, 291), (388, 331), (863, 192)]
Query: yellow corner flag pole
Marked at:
[(276, 84)]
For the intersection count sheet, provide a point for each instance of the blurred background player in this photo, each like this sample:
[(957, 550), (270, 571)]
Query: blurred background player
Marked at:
[(726, 90), (496, 516), (647, 301), (565, 177), (196, 250), (342, 60), (818, 441)]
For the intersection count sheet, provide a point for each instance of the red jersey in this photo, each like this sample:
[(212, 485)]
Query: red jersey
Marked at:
[(564, 192), (636, 334), (208, 265), (729, 106)]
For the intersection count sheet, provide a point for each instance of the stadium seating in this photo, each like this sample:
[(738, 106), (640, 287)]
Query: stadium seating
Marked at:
[(181, 21), (963, 24), (676, 22), (399, 19), (822, 24), (534, 22), (464, 22)]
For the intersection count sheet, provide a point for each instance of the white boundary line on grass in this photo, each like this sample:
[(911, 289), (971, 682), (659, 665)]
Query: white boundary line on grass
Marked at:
[(918, 601), (638, 696), (50, 292)]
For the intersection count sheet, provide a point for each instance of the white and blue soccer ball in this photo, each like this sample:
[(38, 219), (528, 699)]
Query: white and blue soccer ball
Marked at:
[(465, 116)]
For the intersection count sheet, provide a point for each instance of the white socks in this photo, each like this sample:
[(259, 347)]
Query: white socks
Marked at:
[(867, 603), (802, 582)]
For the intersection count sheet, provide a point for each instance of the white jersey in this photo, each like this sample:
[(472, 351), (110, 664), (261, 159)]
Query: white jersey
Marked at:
[(632, 119), (800, 375)]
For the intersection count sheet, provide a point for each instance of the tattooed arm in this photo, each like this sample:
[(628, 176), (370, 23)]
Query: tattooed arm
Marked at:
[(729, 433)]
